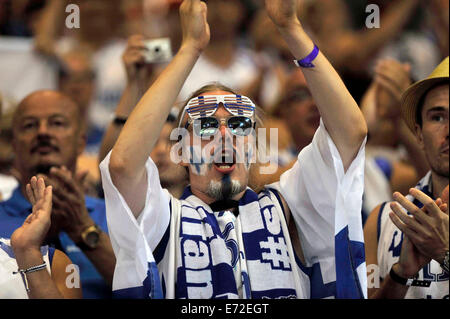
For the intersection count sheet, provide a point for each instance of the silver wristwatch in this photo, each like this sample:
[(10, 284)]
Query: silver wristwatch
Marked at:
[(444, 264)]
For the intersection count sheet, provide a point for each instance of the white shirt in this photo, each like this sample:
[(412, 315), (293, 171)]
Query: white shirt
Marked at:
[(7, 185)]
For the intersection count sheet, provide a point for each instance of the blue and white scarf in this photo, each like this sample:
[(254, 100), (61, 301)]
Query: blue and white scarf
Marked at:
[(215, 247), (199, 258)]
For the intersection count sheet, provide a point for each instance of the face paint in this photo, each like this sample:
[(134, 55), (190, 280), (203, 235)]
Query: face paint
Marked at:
[(226, 186)]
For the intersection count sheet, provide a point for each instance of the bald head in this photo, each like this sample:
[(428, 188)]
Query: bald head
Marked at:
[(38, 100)]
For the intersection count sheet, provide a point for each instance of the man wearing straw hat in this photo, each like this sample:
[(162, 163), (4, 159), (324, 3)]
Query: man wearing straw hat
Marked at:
[(409, 251)]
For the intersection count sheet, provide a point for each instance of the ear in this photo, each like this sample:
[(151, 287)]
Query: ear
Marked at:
[(419, 135)]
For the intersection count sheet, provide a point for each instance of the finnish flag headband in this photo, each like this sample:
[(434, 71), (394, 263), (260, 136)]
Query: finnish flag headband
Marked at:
[(207, 105)]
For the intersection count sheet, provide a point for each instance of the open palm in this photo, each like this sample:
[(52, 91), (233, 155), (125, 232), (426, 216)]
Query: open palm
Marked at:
[(33, 231)]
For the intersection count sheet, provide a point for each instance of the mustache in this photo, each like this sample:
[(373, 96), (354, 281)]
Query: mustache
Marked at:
[(224, 155), (44, 143)]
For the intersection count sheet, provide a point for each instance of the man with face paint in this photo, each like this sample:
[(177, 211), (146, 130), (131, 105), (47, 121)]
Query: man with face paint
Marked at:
[(221, 239)]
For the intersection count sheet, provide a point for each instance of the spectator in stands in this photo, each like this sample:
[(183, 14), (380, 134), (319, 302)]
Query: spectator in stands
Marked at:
[(409, 252), (48, 136)]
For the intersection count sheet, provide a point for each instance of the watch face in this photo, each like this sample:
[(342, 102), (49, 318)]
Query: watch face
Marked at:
[(92, 239)]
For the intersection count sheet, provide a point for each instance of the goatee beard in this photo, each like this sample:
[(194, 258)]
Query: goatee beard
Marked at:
[(224, 189)]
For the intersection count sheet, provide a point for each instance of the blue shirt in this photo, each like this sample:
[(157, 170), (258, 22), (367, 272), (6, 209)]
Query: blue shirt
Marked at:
[(15, 210)]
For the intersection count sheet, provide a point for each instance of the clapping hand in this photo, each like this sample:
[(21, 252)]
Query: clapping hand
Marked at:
[(427, 229), (69, 209), (32, 233)]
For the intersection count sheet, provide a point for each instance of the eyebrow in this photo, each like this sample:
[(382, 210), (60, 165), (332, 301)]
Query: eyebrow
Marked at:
[(437, 109), (32, 117)]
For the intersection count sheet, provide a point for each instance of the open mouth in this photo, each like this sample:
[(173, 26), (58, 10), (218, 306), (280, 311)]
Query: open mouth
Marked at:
[(225, 163)]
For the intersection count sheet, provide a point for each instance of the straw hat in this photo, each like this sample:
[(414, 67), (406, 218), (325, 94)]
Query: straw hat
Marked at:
[(412, 96)]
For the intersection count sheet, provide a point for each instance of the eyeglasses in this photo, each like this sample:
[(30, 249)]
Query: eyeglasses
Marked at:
[(207, 105), (208, 126)]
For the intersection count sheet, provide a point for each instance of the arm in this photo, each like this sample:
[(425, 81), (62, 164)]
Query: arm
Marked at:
[(371, 249), (26, 242), (392, 79), (71, 216), (144, 125), (49, 24), (59, 276), (387, 288), (324, 83), (138, 79), (347, 48), (380, 106)]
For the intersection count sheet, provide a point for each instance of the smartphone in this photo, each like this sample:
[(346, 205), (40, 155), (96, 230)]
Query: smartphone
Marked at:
[(158, 50)]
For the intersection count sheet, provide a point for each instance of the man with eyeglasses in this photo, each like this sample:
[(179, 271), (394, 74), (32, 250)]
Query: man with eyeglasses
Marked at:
[(298, 238)]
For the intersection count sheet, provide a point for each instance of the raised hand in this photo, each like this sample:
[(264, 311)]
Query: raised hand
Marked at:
[(394, 76), (392, 79), (33, 231), (282, 12), (134, 60), (195, 27)]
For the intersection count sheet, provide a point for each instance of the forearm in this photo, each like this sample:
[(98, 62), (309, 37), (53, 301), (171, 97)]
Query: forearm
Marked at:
[(144, 125), (366, 42), (391, 24), (48, 26), (389, 289), (40, 282), (128, 101), (103, 258), (340, 113)]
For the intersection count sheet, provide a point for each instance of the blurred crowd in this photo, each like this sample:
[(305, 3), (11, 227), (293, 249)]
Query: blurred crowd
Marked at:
[(94, 66)]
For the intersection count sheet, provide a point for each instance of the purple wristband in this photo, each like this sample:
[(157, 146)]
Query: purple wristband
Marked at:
[(307, 61)]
